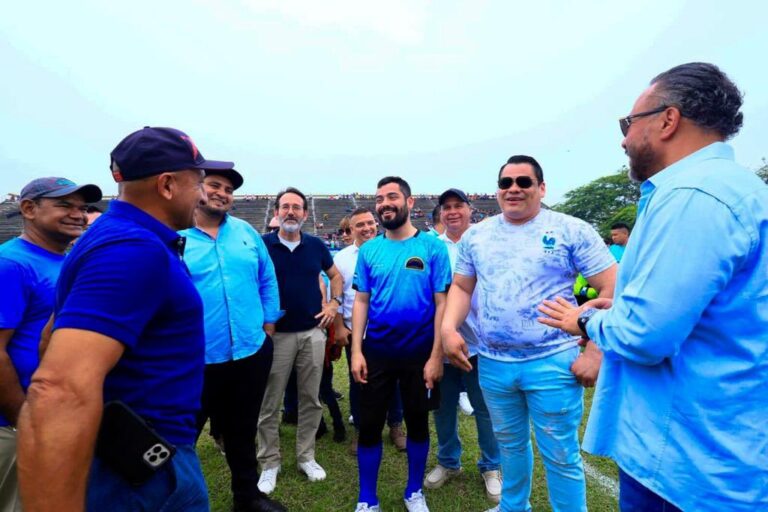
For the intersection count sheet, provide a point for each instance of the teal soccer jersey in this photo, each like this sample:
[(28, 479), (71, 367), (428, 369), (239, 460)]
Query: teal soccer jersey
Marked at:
[(402, 277)]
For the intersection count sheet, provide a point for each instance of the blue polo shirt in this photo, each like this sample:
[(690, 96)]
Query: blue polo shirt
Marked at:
[(236, 280), (298, 274), (28, 273), (125, 279), (402, 277)]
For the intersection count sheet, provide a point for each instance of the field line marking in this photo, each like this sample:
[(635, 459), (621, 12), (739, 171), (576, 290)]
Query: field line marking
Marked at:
[(607, 483)]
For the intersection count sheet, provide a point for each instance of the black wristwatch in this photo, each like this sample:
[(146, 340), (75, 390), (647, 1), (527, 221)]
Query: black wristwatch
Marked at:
[(583, 319)]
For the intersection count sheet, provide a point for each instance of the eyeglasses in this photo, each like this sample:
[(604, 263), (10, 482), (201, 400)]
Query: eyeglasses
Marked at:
[(522, 182), (347, 231), (626, 122)]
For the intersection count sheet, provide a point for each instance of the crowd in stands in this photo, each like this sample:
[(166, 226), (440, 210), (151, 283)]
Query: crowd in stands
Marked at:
[(124, 332)]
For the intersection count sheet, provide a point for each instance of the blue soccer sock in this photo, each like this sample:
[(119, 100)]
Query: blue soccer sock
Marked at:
[(368, 462), (417, 463)]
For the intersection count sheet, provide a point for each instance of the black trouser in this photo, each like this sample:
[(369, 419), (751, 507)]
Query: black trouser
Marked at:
[(232, 395), (328, 395), (375, 396)]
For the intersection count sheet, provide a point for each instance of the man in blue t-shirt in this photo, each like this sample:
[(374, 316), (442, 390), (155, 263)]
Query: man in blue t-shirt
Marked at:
[(401, 279), (619, 237), (529, 373), (128, 327), (54, 214)]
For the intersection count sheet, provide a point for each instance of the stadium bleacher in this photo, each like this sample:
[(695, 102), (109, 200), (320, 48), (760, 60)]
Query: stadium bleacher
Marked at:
[(325, 212)]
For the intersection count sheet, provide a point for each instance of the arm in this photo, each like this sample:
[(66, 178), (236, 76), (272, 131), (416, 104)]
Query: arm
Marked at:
[(433, 370), (341, 331), (331, 307), (59, 423), (11, 394), (456, 310), (268, 290), (359, 322)]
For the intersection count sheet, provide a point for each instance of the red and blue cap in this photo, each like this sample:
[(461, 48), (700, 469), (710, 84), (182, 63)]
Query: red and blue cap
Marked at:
[(59, 187), (152, 151)]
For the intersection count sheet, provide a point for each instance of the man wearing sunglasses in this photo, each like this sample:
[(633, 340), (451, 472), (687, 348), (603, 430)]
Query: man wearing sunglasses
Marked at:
[(527, 371), (681, 403)]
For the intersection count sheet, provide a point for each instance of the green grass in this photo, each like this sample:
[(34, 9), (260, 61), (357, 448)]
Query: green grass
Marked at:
[(339, 491)]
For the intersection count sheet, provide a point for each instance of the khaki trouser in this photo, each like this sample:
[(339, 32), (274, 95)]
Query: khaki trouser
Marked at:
[(9, 483), (305, 349)]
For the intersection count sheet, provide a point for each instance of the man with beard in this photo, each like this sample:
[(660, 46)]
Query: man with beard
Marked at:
[(54, 214), (128, 341), (299, 337), (528, 373), (401, 279), (455, 214), (234, 275), (681, 403)]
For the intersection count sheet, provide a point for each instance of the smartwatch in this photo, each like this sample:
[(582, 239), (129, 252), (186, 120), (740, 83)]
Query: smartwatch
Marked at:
[(583, 319)]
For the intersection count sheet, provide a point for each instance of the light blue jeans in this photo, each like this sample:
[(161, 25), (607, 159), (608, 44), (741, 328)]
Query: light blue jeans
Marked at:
[(446, 424), (543, 391)]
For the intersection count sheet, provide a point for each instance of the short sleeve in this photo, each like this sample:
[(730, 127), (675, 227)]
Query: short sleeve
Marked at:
[(117, 290), (589, 254), (464, 264), (327, 259), (13, 300), (441, 268), (361, 279)]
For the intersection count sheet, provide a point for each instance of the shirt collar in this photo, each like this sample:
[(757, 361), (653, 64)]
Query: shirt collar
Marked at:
[(273, 239), (714, 150), (164, 233)]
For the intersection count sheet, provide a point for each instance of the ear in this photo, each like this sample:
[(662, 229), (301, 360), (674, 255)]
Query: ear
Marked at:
[(166, 185), (670, 123), (410, 202), (28, 208), (543, 188)]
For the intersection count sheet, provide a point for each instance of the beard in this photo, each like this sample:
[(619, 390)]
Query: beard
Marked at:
[(290, 227), (401, 215), (642, 161)]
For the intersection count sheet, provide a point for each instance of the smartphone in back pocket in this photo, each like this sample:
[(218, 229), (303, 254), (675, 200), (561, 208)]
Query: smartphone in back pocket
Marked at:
[(129, 446)]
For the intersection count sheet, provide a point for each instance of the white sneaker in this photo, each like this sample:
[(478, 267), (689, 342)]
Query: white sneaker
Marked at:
[(464, 404), (492, 485), (351, 420), (364, 507), (438, 476), (416, 503), (313, 470), (497, 508), (268, 480)]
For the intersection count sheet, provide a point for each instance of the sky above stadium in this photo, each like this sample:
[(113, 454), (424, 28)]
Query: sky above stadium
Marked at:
[(330, 96)]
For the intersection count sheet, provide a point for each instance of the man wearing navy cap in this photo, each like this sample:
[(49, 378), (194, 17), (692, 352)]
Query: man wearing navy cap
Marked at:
[(128, 327), (455, 215), (54, 214), (233, 272)]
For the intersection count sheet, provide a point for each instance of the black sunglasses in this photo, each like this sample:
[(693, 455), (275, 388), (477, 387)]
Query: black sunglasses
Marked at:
[(626, 122), (522, 182)]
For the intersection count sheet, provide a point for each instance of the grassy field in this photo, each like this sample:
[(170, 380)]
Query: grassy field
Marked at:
[(339, 491)]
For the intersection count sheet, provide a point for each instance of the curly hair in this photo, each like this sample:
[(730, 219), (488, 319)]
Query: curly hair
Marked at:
[(704, 94)]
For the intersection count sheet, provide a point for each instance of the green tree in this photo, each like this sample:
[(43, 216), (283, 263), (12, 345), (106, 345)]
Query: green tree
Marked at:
[(602, 202), (763, 171)]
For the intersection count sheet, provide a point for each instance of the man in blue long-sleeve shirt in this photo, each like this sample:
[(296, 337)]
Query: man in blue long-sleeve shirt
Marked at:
[(233, 272), (680, 402)]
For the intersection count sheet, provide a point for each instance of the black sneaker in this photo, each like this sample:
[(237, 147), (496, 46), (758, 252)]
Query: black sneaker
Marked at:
[(339, 433), (259, 504)]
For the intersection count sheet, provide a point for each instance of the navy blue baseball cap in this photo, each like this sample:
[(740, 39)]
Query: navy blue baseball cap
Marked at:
[(453, 192), (59, 187), (152, 151), (232, 175)]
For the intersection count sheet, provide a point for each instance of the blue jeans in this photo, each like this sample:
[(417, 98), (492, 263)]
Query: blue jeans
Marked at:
[(177, 486), (635, 497), (543, 391), (447, 425)]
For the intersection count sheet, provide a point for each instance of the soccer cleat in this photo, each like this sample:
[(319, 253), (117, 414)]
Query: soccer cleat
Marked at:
[(464, 404), (417, 502), (438, 476), (268, 479), (313, 470), (492, 485), (364, 507)]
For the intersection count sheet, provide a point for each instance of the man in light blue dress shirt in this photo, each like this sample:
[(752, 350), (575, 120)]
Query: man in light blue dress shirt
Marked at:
[(681, 404), (232, 270)]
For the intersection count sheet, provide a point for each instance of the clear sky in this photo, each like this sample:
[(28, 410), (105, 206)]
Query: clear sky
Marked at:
[(329, 96)]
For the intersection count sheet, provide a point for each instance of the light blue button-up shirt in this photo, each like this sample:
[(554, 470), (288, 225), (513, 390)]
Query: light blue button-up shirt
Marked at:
[(682, 398), (236, 280)]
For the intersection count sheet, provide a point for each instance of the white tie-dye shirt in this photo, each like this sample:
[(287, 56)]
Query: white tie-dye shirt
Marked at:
[(517, 267)]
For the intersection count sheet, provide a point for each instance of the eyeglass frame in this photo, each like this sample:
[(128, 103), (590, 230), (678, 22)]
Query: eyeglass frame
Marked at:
[(626, 122), (515, 181)]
